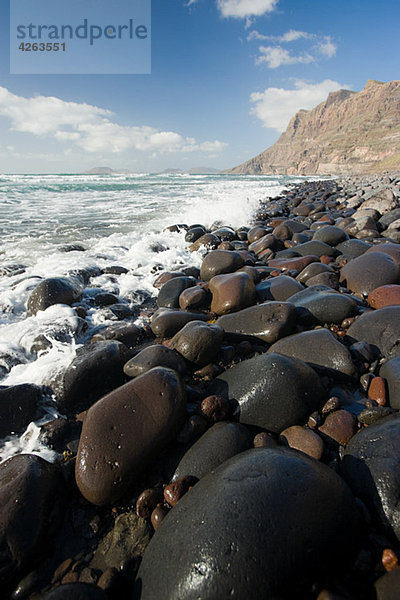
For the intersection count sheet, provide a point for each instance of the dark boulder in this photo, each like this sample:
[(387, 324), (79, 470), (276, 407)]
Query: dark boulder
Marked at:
[(55, 290), (379, 328), (154, 356), (19, 405), (264, 524), (198, 342)]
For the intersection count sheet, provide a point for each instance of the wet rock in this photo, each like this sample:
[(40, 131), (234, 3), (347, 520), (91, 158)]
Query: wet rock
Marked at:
[(312, 270), (154, 356), (30, 492), (166, 276), (231, 292), (371, 467), (166, 323), (390, 370), (194, 298), (198, 342), (96, 370), (208, 240), (339, 426), (194, 233), (316, 248), (329, 279), (76, 591), (257, 232), (369, 271), (174, 491), (222, 441), (261, 491), (264, 440), (305, 440), (268, 241), (148, 501), (268, 322), (157, 516), (379, 328), (279, 288), (126, 333), (105, 299), (393, 250), (271, 391), (127, 540), (330, 235), (320, 350), (377, 390), (297, 263), (171, 290), (385, 295), (19, 405), (55, 290), (148, 412), (226, 234), (320, 304), (218, 262), (353, 248)]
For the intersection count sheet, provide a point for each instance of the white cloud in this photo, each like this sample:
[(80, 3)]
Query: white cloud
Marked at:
[(243, 9), (276, 106), (275, 56), (326, 47), (290, 36), (91, 127)]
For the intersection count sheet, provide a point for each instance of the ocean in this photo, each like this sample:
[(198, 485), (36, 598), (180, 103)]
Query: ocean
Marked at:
[(119, 220)]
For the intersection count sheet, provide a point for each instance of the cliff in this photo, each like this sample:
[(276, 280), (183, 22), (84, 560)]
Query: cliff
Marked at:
[(349, 133)]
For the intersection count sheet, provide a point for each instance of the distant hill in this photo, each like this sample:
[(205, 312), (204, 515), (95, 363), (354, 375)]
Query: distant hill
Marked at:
[(349, 133), (99, 171)]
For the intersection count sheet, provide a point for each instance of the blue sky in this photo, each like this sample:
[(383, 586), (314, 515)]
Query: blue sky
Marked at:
[(226, 77)]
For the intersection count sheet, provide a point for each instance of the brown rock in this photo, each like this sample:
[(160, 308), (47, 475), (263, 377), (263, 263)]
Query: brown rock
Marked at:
[(198, 342), (208, 240), (231, 292), (174, 491), (215, 408), (124, 430), (193, 298), (298, 263), (339, 426), (218, 262), (303, 439), (385, 295), (377, 390), (268, 241), (369, 271), (389, 560), (166, 276)]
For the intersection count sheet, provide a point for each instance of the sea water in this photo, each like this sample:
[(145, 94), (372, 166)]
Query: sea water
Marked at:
[(118, 219)]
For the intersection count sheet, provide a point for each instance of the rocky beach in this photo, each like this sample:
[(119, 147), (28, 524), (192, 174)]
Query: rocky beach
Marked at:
[(236, 434)]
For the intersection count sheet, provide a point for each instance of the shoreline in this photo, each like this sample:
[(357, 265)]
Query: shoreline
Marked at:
[(293, 288)]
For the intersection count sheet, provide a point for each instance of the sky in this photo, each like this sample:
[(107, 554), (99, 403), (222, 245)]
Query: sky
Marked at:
[(226, 77)]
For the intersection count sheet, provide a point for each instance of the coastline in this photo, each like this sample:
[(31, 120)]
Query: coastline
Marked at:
[(297, 283)]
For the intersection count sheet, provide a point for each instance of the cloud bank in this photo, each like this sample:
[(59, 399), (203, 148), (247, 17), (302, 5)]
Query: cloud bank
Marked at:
[(91, 127)]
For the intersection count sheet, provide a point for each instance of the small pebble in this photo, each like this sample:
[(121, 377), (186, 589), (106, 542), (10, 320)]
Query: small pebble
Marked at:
[(108, 578), (158, 515), (263, 440), (147, 502), (389, 560), (215, 408), (331, 405), (174, 491), (377, 390)]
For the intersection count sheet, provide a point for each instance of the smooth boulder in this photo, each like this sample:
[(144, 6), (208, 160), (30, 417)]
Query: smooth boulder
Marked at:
[(268, 322), (198, 342), (320, 350), (156, 355), (380, 328), (371, 467), (125, 430), (222, 441), (390, 371), (167, 322), (231, 292), (54, 290), (264, 524), (321, 304), (218, 262), (19, 405), (271, 391), (369, 271)]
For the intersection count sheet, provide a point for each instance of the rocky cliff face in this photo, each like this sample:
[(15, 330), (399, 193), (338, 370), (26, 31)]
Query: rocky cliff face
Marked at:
[(349, 133)]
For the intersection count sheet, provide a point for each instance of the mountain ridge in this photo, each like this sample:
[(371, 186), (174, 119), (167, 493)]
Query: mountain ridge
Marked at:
[(349, 133)]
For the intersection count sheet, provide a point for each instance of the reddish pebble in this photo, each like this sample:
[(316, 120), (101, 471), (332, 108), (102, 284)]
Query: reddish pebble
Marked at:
[(215, 408), (326, 260), (147, 502), (389, 560), (158, 515), (62, 569), (174, 491), (225, 246), (339, 426), (385, 295), (377, 390), (302, 439)]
